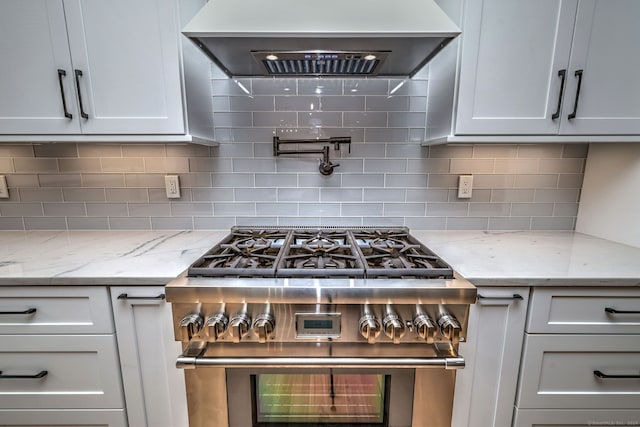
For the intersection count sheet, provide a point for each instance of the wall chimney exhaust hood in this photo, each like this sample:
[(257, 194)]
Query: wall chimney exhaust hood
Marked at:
[(293, 38)]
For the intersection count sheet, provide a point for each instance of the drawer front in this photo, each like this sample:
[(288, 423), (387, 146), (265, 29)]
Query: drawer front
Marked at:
[(76, 371), (558, 371), (584, 311), (574, 418), (55, 310), (75, 418)]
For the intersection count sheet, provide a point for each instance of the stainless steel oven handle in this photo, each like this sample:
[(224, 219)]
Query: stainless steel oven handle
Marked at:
[(188, 362)]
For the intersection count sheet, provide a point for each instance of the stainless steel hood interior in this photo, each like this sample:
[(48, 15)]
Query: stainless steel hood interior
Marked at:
[(293, 38)]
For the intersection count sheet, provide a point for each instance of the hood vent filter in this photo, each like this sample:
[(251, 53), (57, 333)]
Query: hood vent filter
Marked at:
[(320, 63)]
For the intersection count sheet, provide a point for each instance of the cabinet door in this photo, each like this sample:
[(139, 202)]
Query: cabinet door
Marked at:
[(486, 387), (512, 51), (128, 54), (64, 418), (606, 48), (154, 388), (33, 47)]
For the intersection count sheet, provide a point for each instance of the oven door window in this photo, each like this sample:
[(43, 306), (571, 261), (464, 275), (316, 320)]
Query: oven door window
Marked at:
[(327, 399)]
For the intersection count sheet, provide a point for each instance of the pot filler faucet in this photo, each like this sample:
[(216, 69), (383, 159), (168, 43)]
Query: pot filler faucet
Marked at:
[(326, 167)]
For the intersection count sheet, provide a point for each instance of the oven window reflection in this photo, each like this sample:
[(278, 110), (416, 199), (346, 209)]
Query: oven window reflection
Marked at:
[(320, 399)]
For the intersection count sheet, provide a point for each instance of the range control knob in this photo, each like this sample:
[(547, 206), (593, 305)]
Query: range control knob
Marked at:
[(263, 327), (215, 326), (369, 325), (190, 326), (449, 327), (425, 327), (393, 325), (239, 326)]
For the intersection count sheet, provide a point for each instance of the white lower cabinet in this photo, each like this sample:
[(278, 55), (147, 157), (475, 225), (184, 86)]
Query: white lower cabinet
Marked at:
[(581, 358), (486, 387), (154, 388), (58, 358)]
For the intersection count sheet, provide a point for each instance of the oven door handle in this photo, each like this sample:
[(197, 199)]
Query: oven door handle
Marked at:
[(189, 362)]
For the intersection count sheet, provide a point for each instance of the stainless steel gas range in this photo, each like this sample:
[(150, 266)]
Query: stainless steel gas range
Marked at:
[(320, 327)]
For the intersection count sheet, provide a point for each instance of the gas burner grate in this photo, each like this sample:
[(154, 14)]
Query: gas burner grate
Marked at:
[(319, 253)]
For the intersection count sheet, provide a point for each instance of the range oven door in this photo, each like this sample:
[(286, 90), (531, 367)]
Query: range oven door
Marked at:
[(313, 397), (335, 397)]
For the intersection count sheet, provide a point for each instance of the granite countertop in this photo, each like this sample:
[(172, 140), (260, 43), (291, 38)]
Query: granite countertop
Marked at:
[(155, 257)]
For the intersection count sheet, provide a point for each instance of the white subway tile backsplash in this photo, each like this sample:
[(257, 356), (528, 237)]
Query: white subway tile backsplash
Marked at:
[(140, 195), (83, 223), (45, 223), (404, 209), (296, 103), (365, 87), (27, 165), (319, 209), (385, 165), (21, 209), (149, 209), (407, 180), (59, 180), (6, 165), (40, 194), (126, 223), (342, 103), (175, 223), (320, 119), (12, 223), (320, 86), (134, 164), (384, 195), (275, 119), (64, 209), (298, 194), (255, 194), (386, 178), (374, 119)]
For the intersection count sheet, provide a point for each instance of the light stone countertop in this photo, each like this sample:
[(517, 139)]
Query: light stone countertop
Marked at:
[(100, 257), (155, 257), (541, 258)]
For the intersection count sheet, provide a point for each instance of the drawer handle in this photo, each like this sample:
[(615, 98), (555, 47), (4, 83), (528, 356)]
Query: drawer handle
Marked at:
[(614, 311), (605, 376), (126, 296), (40, 374), (27, 311), (514, 297)]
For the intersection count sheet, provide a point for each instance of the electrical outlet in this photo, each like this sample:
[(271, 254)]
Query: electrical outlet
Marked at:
[(4, 190), (465, 186), (172, 185)]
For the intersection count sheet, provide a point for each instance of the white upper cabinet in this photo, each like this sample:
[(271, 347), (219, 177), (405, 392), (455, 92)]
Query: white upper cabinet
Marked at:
[(606, 50), (549, 67), (120, 63), (36, 75)]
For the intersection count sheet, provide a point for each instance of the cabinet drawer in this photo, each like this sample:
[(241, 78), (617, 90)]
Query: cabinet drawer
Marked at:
[(574, 418), (76, 418), (558, 371), (77, 371), (55, 310), (584, 311)]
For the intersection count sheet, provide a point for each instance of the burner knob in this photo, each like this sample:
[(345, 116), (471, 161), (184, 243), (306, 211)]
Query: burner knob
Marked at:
[(239, 326), (450, 327), (369, 325), (263, 327), (215, 326), (425, 327), (190, 326), (393, 325)]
